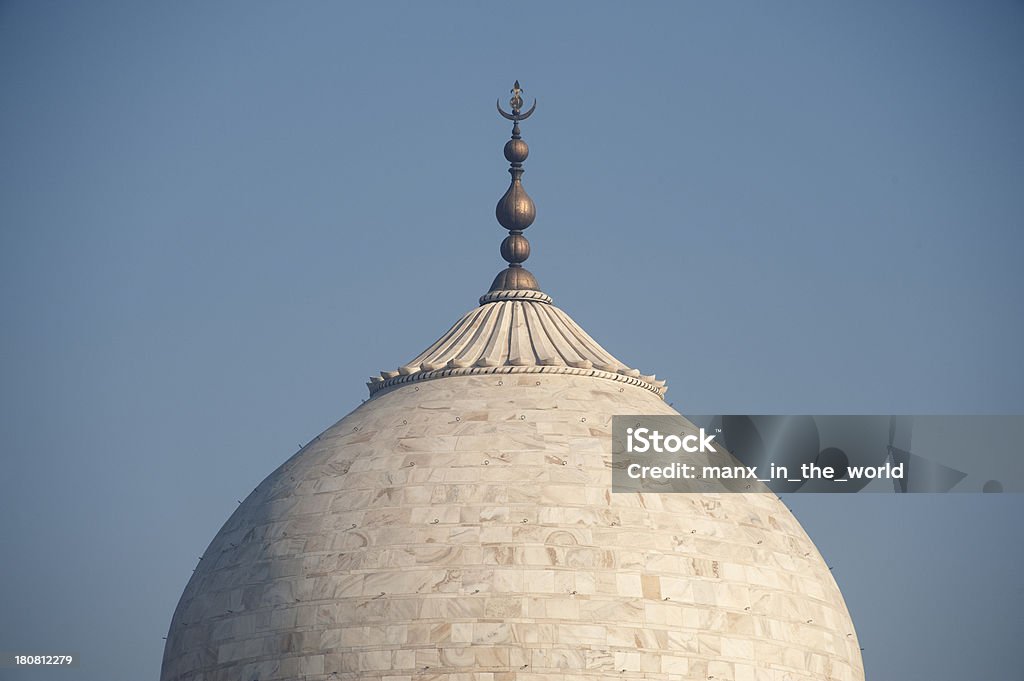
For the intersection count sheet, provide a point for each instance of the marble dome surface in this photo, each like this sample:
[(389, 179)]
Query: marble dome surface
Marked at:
[(464, 528)]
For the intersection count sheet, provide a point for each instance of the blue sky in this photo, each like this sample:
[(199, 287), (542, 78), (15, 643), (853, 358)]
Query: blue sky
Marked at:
[(217, 220)]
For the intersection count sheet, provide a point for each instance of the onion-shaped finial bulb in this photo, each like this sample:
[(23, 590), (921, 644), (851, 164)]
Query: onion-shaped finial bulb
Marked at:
[(515, 210)]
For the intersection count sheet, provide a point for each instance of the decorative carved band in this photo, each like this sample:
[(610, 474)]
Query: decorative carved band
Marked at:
[(534, 296), (377, 383)]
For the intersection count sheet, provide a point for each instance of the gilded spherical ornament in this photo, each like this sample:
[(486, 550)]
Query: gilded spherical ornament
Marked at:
[(515, 248), (516, 151)]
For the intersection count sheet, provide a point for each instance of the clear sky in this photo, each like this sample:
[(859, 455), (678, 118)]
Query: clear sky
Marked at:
[(217, 220)]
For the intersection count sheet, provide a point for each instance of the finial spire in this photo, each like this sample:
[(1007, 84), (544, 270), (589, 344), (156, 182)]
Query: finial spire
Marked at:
[(515, 210)]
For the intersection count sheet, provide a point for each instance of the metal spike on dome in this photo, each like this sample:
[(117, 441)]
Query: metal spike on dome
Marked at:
[(515, 210)]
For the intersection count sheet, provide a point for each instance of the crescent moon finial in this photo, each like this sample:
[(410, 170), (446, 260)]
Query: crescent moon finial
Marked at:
[(517, 104)]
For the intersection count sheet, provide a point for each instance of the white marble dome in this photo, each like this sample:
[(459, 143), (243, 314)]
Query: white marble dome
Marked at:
[(460, 525)]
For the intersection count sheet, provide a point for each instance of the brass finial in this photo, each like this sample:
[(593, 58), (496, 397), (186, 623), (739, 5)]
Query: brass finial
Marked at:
[(516, 103), (516, 210), (517, 100)]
